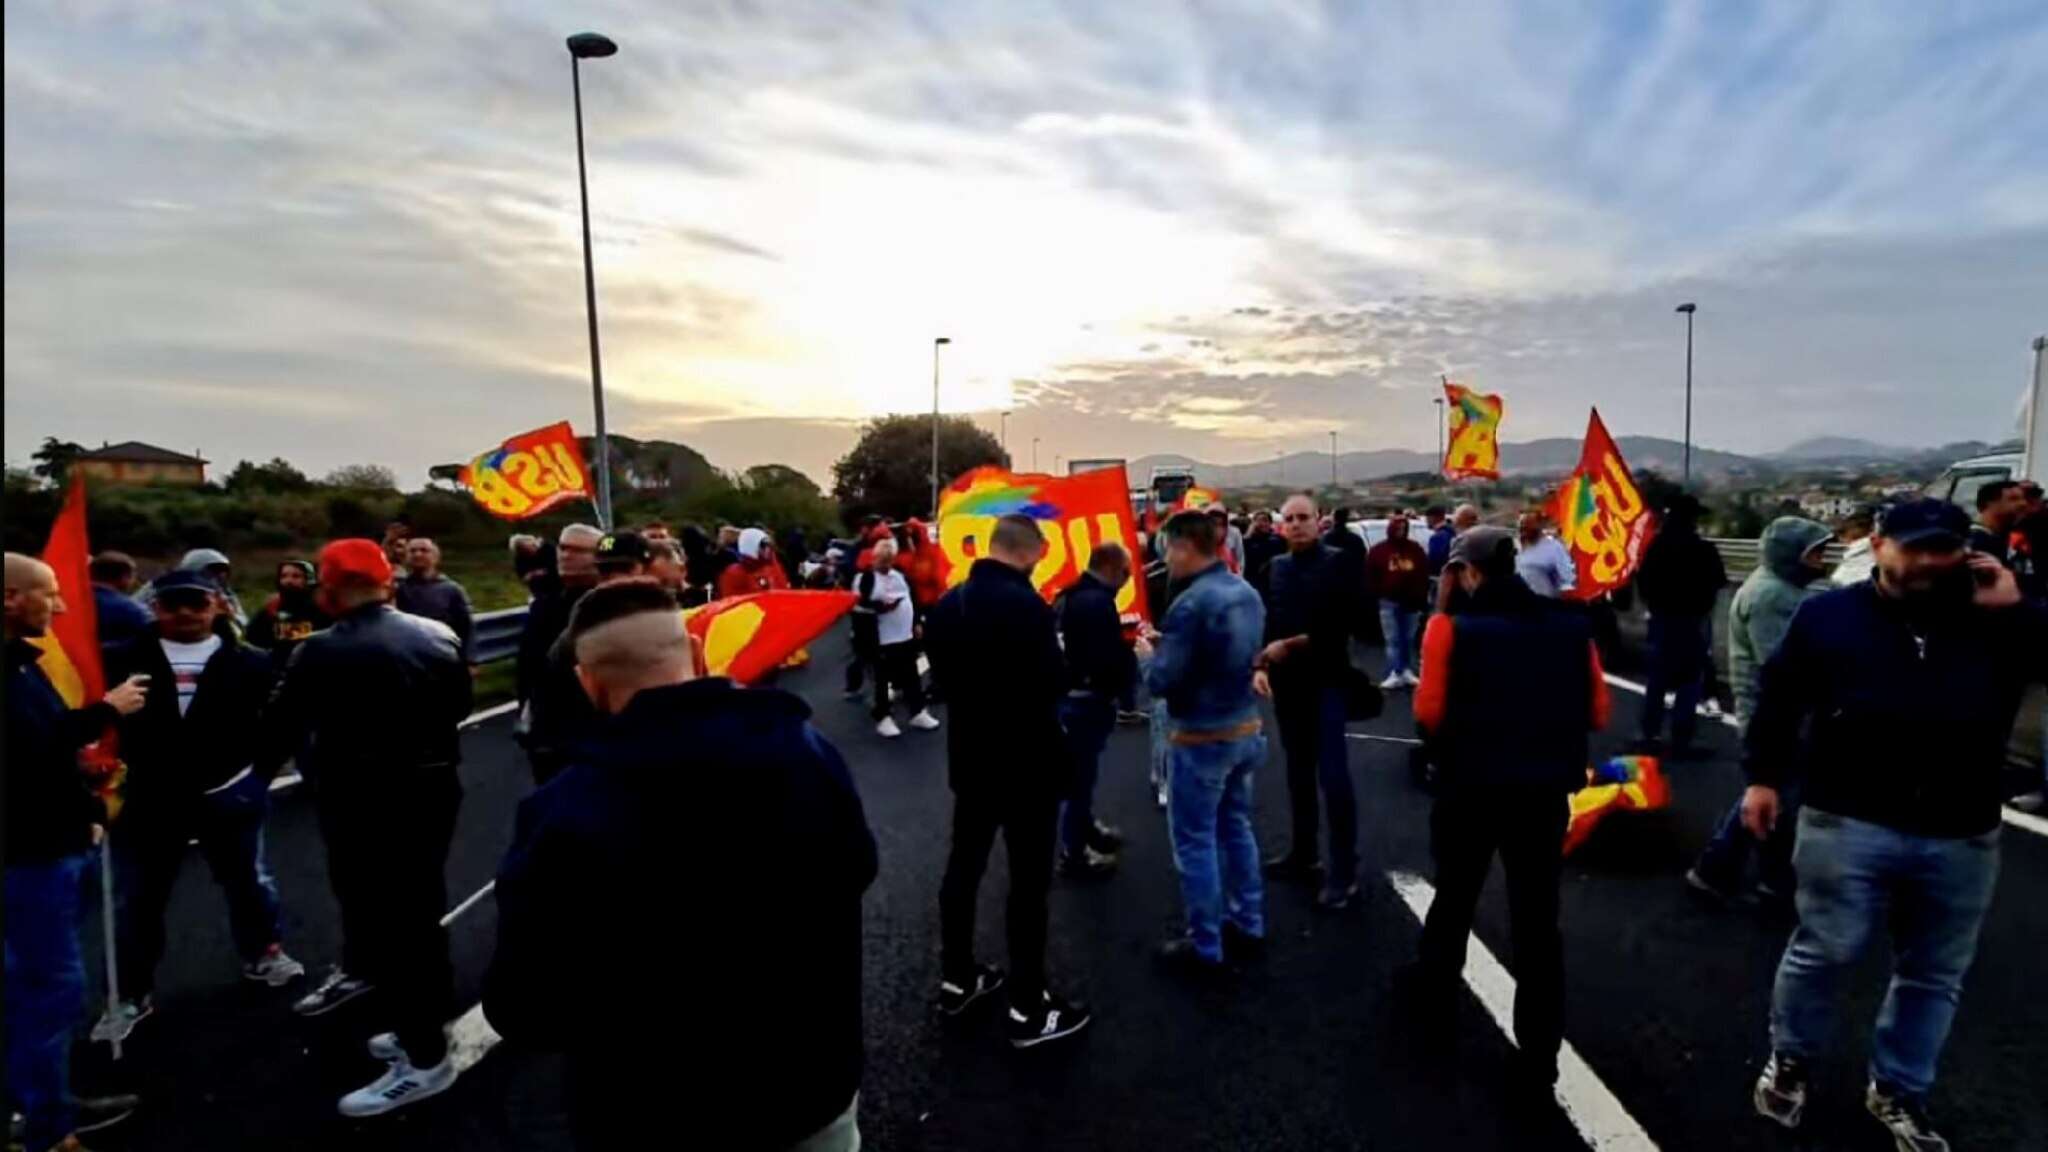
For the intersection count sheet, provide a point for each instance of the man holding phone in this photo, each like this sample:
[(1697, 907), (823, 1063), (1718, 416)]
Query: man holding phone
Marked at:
[(1910, 683), (884, 592)]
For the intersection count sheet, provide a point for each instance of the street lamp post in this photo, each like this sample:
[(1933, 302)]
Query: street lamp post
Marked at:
[(2034, 448), (591, 46), (1688, 308), (1439, 402), (1056, 458), (937, 344), (1333, 462)]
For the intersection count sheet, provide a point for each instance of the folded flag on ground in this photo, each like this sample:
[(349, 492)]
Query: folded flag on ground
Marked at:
[(1625, 783)]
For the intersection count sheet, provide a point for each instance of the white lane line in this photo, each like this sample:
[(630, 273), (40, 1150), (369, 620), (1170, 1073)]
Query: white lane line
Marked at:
[(475, 898), (1642, 690), (1601, 1120), (1381, 739), (293, 779), (2010, 815)]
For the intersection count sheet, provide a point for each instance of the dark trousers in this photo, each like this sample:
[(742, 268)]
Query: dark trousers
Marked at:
[(865, 651), (1311, 716), (1026, 823), (896, 667), (1088, 721), (148, 851), (386, 857), (1527, 829), (1678, 647)]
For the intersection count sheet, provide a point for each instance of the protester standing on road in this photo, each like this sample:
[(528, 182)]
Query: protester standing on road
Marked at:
[(995, 650), (886, 593), (1261, 545), (1541, 560), (1511, 686), (596, 849), (379, 695), (192, 752), (1208, 644), (1908, 686), (1307, 658), (1680, 580), (290, 615), (1793, 564), (425, 592), (1101, 670), (120, 618), (756, 570), (561, 710), (665, 566), (215, 566), (1440, 535), (547, 617), (53, 820), (1232, 539), (1397, 575)]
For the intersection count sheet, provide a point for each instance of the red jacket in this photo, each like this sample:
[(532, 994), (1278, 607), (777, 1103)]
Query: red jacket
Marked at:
[(748, 576), (1397, 571)]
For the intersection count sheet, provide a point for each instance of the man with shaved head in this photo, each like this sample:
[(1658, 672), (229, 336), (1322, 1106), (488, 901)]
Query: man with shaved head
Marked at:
[(595, 852), (53, 819), (424, 591)]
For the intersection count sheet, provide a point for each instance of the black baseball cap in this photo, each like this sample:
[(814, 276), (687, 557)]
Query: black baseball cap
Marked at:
[(622, 550), (183, 580), (1926, 523)]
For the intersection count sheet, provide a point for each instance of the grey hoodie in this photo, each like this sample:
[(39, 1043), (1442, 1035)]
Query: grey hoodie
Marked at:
[(1763, 606)]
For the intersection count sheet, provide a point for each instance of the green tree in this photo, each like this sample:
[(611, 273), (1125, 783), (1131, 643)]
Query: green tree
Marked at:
[(889, 469), (53, 459), (780, 477), (276, 476), (363, 477)]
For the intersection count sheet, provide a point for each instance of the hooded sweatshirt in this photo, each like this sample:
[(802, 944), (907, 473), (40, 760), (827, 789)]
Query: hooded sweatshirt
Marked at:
[(1763, 606), (751, 573)]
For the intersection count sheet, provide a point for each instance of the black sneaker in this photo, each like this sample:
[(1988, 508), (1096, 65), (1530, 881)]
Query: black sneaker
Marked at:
[(336, 989), (1088, 865), (1292, 869), (98, 1113), (1241, 947), (1781, 1090), (1335, 899), (1180, 957), (1054, 1019), (1905, 1117), (1105, 839), (957, 998)]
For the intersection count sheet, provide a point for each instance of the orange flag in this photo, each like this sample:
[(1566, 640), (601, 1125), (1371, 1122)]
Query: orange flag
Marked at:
[(1474, 448), (1600, 516), (1075, 512), (747, 637), (1623, 784), (71, 650), (528, 474)]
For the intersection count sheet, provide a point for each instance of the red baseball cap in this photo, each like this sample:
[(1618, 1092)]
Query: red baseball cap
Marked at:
[(342, 561)]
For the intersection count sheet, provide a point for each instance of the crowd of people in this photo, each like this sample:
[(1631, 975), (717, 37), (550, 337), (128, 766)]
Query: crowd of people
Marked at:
[(358, 678)]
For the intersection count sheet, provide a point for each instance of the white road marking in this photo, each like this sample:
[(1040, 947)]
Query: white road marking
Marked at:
[(475, 898), (491, 713), (1592, 1109), (1381, 739), (2010, 815)]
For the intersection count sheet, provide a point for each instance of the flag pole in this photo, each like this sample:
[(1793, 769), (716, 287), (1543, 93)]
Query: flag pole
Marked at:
[(111, 1027)]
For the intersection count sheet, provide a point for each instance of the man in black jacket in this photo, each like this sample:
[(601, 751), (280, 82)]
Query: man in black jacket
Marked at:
[(380, 695), (1306, 660), (1101, 670), (1262, 545), (52, 821), (547, 617), (192, 753), (995, 651), (596, 848), (1680, 580), (1908, 685)]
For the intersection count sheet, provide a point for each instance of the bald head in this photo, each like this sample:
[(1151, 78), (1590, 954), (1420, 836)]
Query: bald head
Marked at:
[(1017, 541), (629, 637), (1464, 518), (32, 598)]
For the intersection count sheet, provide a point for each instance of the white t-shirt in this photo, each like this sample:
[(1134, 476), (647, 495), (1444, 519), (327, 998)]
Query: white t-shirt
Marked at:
[(1546, 567), (187, 662), (894, 626)]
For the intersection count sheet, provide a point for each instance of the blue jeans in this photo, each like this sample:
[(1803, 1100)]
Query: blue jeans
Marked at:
[(1209, 813), (1160, 748), (1397, 624), (1725, 857), (1678, 645), (1856, 878), (149, 848), (45, 986), (1087, 721)]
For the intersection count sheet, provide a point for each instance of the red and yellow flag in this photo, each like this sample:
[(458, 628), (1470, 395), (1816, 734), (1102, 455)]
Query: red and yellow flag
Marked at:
[(1600, 516), (1625, 783), (1075, 512), (747, 637), (71, 649), (1472, 450), (529, 474)]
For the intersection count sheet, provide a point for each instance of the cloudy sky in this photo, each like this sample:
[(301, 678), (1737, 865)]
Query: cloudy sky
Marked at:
[(348, 232)]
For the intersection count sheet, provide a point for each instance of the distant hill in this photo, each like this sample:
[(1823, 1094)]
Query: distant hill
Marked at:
[(1849, 450), (1533, 457)]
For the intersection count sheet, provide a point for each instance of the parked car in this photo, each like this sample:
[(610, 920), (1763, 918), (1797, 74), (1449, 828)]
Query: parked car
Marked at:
[(1958, 483)]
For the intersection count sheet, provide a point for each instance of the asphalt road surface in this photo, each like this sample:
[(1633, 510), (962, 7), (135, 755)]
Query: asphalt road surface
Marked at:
[(1667, 999)]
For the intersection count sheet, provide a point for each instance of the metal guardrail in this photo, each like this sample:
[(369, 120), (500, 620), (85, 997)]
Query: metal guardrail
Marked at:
[(497, 634), (1741, 557)]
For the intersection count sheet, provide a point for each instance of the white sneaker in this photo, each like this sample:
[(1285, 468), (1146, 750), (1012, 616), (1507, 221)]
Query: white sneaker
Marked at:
[(887, 727), (2030, 802), (1392, 683), (384, 1046), (1710, 708), (400, 1085), (924, 721), (274, 968), (1411, 679)]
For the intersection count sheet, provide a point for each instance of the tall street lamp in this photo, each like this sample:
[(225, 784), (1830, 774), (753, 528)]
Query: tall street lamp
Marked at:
[(591, 46), (1333, 461), (937, 344), (1439, 402), (1688, 308)]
